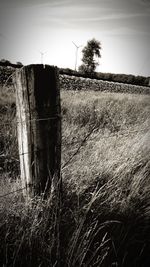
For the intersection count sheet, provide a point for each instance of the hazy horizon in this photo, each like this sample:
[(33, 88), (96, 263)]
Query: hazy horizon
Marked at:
[(29, 28)]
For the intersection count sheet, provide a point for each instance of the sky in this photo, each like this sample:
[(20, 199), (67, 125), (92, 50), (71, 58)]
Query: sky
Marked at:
[(43, 31)]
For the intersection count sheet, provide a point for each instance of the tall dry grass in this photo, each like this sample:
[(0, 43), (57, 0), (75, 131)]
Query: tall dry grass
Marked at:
[(110, 176), (105, 214)]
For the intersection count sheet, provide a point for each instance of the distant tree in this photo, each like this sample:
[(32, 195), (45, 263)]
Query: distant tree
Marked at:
[(90, 51)]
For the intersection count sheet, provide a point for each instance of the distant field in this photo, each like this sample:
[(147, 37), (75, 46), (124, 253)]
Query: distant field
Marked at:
[(106, 179)]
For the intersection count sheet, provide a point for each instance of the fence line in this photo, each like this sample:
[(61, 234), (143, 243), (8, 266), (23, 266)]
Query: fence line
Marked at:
[(81, 143), (59, 116), (12, 192), (42, 119), (109, 136), (84, 140)]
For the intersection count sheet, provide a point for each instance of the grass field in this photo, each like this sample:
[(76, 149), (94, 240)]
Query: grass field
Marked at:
[(106, 183)]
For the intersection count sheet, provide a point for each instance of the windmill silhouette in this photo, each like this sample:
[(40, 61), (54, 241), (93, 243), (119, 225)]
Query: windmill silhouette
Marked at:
[(42, 56), (76, 55)]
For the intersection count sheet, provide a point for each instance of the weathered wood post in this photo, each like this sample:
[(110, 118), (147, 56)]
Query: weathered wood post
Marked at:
[(39, 128)]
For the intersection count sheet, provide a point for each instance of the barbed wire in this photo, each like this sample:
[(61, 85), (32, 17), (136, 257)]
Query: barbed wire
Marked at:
[(12, 192), (63, 166), (85, 139), (116, 134), (82, 143), (32, 120), (88, 139)]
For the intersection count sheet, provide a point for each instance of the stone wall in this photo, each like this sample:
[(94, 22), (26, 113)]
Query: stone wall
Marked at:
[(78, 83)]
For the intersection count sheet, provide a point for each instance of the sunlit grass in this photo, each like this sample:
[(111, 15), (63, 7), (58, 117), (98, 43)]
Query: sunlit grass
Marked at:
[(106, 203)]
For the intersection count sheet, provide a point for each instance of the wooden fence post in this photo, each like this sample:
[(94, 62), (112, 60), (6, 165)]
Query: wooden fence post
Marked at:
[(39, 127)]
